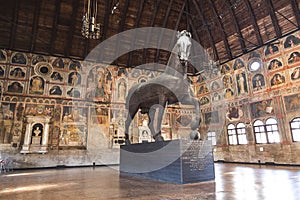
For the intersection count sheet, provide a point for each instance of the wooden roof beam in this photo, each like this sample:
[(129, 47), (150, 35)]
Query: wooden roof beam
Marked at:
[(271, 10), (136, 25), (162, 32), (69, 43), (54, 27), (105, 26), (212, 42), (121, 27), (14, 24), (237, 27), (254, 23), (35, 24), (295, 8), (227, 47), (151, 25)]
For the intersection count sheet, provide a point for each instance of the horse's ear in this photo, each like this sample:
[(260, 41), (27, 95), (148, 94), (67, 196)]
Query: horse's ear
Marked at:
[(189, 34), (178, 34)]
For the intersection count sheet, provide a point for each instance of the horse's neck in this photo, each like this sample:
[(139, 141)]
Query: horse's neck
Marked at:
[(178, 71)]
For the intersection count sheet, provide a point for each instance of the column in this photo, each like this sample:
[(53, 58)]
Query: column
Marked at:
[(45, 135), (27, 139)]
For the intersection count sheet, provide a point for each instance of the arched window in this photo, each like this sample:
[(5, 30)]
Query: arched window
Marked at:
[(211, 135), (237, 135), (259, 131), (272, 130), (241, 131), (266, 133), (232, 136), (295, 129)]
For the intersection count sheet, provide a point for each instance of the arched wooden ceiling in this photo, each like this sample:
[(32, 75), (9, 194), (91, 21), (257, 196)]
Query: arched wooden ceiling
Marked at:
[(226, 28)]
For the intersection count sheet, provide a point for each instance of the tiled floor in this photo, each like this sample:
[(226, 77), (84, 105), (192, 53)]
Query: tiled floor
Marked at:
[(233, 182)]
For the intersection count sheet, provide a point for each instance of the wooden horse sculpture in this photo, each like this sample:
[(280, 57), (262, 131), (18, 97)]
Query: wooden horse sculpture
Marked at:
[(171, 87)]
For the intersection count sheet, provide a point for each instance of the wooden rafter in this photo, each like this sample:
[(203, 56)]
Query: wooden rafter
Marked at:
[(54, 27), (254, 23), (148, 35), (136, 25), (270, 8), (105, 26), (295, 8), (162, 32), (220, 24), (212, 42), (121, 26), (35, 24), (68, 45), (14, 24), (237, 27)]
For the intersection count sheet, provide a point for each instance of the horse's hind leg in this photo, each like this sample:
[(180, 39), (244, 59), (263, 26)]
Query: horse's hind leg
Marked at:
[(132, 110)]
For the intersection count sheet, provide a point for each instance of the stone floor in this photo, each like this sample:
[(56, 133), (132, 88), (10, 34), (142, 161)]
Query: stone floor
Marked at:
[(233, 182)]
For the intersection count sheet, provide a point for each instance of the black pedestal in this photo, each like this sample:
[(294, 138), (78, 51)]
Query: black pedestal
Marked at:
[(176, 161)]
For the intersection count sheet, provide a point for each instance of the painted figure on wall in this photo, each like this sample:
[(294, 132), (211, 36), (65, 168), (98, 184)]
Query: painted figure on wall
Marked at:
[(2, 68), (295, 74), (234, 113), (36, 85), (291, 41), (277, 80), (2, 56), (75, 114), (228, 93), (258, 82), (271, 49), (15, 87), (37, 59), (215, 85), (294, 57), (204, 100), (74, 78), (274, 64), (19, 58), (17, 73), (227, 81), (241, 83), (216, 97), (261, 108), (224, 69), (58, 63), (292, 102), (75, 65), (56, 76), (100, 88), (55, 90), (122, 88), (203, 89), (238, 64)]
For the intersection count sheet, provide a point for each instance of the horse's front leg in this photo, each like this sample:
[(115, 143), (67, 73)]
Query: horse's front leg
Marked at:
[(155, 116), (195, 124), (132, 110)]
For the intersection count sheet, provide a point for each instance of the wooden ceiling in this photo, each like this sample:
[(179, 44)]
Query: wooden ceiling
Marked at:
[(226, 28)]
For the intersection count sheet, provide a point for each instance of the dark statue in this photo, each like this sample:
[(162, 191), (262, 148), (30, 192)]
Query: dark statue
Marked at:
[(170, 87)]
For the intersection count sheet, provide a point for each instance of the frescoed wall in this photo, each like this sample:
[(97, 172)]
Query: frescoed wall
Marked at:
[(86, 104)]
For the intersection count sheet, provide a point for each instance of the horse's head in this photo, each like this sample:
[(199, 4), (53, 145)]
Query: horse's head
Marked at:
[(183, 46)]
